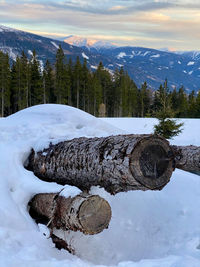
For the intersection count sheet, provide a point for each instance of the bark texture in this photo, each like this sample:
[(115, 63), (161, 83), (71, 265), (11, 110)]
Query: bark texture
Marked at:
[(117, 163), (89, 214), (187, 158)]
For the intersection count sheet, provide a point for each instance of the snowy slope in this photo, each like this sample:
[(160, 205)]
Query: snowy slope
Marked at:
[(148, 229)]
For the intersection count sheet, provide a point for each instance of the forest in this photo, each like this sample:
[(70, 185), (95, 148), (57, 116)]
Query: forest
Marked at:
[(24, 83)]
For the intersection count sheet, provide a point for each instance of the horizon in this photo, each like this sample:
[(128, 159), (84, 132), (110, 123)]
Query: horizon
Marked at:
[(62, 39), (149, 23)]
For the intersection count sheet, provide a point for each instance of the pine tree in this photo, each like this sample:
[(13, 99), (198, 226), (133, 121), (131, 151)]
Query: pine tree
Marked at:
[(19, 79), (36, 90), (166, 126), (105, 80), (97, 94), (197, 106), (144, 100), (192, 105), (4, 84), (48, 84), (62, 79), (77, 82), (182, 103)]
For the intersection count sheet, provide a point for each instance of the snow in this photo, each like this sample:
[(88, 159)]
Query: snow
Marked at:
[(120, 65), (7, 29), (121, 55), (81, 42), (30, 52), (94, 67), (155, 56), (148, 229), (55, 45), (146, 53), (190, 63), (85, 56)]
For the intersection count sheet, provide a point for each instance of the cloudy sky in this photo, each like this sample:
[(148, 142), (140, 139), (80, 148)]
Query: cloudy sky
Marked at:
[(149, 23)]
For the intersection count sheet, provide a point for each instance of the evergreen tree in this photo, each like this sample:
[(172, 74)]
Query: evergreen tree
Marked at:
[(84, 86), (117, 93), (4, 84), (48, 84), (19, 80), (174, 100), (192, 105), (182, 103), (166, 126), (144, 100), (77, 82), (197, 106), (36, 90), (97, 94), (105, 80), (62, 79)]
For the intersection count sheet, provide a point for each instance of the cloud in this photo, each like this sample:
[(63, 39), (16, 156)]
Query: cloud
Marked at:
[(152, 23)]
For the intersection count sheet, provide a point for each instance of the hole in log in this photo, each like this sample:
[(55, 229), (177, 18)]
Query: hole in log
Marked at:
[(153, 161)]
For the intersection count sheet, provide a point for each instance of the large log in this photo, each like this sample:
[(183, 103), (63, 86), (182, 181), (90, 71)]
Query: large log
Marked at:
[(89, 214), (187, 158), (117, 163)]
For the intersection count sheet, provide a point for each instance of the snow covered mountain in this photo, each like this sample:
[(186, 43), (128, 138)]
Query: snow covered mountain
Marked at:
[(14, 42), (142, 64), (195, 55), (155, 66), (89, 43)]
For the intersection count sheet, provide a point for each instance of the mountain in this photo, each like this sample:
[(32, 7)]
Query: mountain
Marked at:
[(154, 66), (14, 41), (194, 55), (89, 43), (142, 64)]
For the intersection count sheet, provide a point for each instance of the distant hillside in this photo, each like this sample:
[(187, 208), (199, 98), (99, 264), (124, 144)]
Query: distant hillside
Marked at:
[(142, 64)]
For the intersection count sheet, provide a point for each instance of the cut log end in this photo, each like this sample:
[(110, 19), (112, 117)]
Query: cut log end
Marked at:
[(89, 214), (94, 215), (152, 162)]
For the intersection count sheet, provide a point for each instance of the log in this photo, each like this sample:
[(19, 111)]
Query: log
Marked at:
[(89, 214), (187, 158), (117, 163)]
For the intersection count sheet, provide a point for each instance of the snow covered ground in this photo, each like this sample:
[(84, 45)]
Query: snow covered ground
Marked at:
[(148, 229)]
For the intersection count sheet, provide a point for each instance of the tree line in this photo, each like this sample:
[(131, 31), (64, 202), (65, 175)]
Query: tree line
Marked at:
[(24, 83)]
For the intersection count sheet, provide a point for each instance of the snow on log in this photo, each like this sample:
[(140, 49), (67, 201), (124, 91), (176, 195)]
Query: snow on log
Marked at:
[(187, 158), (89, 214), (117, 163)]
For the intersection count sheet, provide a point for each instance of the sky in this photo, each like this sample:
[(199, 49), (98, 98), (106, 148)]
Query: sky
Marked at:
[(149, 23)]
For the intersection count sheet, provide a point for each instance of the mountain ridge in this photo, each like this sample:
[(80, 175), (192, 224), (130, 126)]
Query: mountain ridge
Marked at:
[(142, 64)]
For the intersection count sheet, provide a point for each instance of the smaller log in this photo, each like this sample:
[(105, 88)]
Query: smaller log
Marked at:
[(187, 158), (89, 214)]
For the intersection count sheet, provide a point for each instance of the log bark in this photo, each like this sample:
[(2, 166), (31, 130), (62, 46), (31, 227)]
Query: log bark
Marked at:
[(117, 163), (187, 158), (89, 214)]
